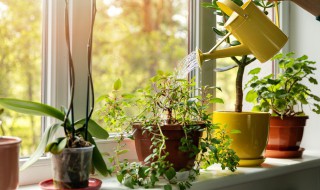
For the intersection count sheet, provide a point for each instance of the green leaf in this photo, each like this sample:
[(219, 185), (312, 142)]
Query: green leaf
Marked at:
[(47, 136), (234, 43), (128, 182), (57, 146), (170, 173), (218, 32), (97, 159), (251, 96), (238, 2), (32, 108), (216, 101), (94, 129), (120, 177), (142, 172), (167, 187), (254, 71), (117, 85), (119, 152), (273, 81), (313, 80)]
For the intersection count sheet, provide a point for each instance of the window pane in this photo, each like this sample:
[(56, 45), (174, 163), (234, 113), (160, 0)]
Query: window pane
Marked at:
[(134, 39), (20, 63)]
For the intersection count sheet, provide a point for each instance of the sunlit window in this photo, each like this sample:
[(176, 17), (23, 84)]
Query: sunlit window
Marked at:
[(20, 63), (134, 39)]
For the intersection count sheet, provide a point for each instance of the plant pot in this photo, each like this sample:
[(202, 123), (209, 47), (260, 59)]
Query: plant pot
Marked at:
[(285, 136), (71, 168), (250, 144), (9, 162), (174, 133)]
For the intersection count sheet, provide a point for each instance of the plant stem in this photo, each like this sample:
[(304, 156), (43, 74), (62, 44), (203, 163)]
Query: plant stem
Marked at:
[(239, 91), (71, 75), (89, 80)]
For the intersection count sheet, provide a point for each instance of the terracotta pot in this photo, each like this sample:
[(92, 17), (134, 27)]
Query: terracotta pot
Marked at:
[(250, 144), (174, 133), (9, 162), (71, 168), (286, 134)]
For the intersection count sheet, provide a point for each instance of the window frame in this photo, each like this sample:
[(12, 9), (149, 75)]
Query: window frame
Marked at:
[(54, 85)]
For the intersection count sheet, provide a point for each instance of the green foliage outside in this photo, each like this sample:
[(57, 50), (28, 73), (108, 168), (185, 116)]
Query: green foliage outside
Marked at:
[(20, 63), (147, 36), (143, 37)]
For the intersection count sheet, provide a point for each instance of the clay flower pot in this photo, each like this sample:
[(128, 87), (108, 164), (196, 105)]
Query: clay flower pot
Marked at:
[(174, 133), (285, 136), (9, 162)]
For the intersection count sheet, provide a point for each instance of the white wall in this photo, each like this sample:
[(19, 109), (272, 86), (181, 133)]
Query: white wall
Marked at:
[(304, 38)]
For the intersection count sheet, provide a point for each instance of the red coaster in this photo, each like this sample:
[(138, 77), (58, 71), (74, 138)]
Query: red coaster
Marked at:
[(94, 184)]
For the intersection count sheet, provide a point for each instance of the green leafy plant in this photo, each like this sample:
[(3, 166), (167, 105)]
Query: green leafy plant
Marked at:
[(78, 133), (167, 100), (285, 94), (245, 60)]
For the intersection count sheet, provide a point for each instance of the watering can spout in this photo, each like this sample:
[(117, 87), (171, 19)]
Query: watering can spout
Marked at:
[(238, 50)]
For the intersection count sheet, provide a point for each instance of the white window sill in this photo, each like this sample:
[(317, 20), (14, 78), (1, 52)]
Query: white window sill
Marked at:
[(274, 174)]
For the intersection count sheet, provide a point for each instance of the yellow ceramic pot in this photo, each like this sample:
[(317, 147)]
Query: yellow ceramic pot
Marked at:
[(251, 143)]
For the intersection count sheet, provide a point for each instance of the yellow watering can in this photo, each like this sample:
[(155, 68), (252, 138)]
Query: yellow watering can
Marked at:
[(252, 28)]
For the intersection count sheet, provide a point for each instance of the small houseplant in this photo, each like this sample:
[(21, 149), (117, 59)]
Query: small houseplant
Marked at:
[(72, 153), (168, 133), (251, 143), (285, 95)]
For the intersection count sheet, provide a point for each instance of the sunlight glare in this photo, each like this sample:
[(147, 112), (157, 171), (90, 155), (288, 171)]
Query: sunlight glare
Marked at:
[(3, 8), (114, 11)]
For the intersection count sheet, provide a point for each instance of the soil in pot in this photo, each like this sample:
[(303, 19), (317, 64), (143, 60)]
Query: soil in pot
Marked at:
[(71, 168), (174, 133)]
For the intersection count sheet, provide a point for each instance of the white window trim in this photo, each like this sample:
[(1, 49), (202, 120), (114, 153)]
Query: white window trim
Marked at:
[(55, 74)]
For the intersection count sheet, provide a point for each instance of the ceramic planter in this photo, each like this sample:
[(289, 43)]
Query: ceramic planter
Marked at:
[(285, 136), (9, 162), (251, 143), (71, 168), (174, 133)]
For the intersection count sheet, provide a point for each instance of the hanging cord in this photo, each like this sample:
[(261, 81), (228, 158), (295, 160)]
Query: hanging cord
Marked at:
[(89, 80), (71, 76)]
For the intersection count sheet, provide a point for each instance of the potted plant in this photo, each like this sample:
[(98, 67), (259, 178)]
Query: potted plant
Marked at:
[(9, 160), (72, 154), (251, 143), (285, 94), (168, 133)]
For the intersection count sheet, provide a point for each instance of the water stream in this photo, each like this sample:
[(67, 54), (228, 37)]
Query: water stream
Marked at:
[(186, 65)]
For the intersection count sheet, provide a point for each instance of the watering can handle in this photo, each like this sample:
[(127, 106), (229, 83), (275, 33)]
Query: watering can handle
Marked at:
[(229, 7)]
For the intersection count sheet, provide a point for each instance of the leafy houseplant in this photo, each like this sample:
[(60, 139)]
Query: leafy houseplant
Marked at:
[(167, 109), (250, 144), (285, 95), (78, 143)]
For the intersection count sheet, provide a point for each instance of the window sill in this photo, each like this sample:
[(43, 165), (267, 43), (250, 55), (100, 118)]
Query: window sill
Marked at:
[(273, 174)]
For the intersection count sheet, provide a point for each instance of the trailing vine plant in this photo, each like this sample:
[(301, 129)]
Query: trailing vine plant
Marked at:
[(167, 100)]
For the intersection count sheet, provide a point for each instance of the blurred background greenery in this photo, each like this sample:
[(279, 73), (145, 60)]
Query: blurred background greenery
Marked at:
[(132, 40)]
